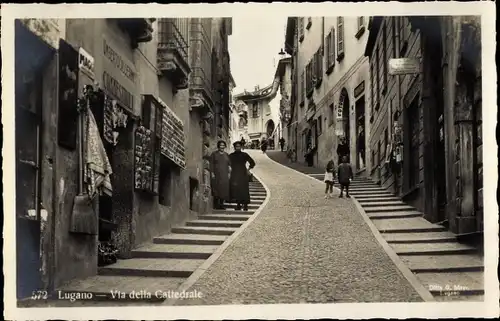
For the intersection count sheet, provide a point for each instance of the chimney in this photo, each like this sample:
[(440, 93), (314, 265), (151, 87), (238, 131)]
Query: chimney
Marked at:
[(257, 88)]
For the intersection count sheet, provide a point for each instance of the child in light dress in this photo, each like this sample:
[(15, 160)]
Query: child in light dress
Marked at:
[(329, 176)]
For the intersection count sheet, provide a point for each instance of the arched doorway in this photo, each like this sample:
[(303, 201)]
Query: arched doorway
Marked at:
[(270, 133), (343, 120)]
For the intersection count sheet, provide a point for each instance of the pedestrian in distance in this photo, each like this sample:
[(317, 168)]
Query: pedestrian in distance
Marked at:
[(240, 177), (263, 145), (329, 178), (243, 142), (282, 144), (220, 166), (344, 176)]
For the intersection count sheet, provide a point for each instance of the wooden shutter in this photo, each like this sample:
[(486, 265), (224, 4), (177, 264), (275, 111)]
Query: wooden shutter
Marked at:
[(331, 53), (340, 35)]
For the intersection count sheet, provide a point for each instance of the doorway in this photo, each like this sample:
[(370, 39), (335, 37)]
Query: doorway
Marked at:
[(360, 131), (344, 102)]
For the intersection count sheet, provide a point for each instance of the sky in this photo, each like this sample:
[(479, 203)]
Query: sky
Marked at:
[(252, 47)]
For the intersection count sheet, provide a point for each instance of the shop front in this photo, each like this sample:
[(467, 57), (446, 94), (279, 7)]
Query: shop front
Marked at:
[(35, 85)]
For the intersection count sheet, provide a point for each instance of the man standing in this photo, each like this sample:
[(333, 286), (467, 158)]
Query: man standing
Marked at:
[(240, 177), (342, 149), (282, 144), (221, 170), (243, 142)]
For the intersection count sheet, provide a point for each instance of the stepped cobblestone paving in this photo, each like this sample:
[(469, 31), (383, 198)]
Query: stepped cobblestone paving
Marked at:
[(302, 248)]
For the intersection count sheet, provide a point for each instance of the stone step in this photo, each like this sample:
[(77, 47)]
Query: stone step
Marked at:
[(174, 251), (444, 263), (152, 267), (453, 284), (393, 215), (370, 193), (251, 207), (432, 237), (224, 217), (198, 239), (214, 223), (382, 199), (366, 189), (408, 225), (132, 288), (432, 249), (385, 209), (204, 230), (381, 204), (233, 211), (256, 194)]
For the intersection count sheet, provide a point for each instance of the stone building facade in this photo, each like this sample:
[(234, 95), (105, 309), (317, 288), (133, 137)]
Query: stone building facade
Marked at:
[(329, 80), (426, 124), (149, 68)]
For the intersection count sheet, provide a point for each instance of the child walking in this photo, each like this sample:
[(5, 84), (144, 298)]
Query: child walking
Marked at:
[(330, 169), (345, 176)]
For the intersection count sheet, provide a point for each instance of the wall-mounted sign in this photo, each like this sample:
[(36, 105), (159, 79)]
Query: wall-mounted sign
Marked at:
[(360, 89), (339, 111), (404, 66), (118, 92), (118, 61), (86, 63), (172, 143)]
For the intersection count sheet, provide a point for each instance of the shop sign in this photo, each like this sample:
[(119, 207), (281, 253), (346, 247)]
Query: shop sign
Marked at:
[(404, 66), (339, 111), (86, 63), (360, 89), (118, 61), (172, 143), (124, 98)]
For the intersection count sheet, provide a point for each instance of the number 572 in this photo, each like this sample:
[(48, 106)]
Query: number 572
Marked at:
[(39, 295)]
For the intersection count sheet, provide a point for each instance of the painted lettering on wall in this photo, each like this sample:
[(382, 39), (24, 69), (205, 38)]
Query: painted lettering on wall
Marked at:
[(115, 89), (118, 61)]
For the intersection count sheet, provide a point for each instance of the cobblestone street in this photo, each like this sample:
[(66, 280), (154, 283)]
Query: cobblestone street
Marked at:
[(302, 248)]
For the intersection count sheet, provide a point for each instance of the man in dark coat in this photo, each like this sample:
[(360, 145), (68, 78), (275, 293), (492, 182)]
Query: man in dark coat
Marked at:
[(345, 176), (243, 142), (282, 143), (221, 168), (342, 149), (240, 177)]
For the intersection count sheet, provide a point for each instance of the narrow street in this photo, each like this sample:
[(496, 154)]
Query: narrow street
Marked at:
[(302, 248)]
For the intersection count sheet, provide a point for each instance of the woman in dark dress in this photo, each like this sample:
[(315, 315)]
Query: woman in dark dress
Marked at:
[(221, 169), (240, 177)]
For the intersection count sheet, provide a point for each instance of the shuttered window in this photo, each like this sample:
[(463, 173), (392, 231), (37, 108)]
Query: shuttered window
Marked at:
[(302, 87), (319, 67), (340, 38), (301, 29), (330, 51), (384, 57)]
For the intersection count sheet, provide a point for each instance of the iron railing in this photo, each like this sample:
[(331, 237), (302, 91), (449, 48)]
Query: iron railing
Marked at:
[(173, 33)]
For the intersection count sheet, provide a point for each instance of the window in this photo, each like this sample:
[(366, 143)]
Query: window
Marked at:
[(384, 57), (340, 38), (255, 110), (302, 87), (320, 125), (309, 78), (319, 67), (372, 92), (361, 27), (301, 29), (331, 113), (330, 51), (403, 35), (413, 126), (377, 78), (309, 22), (394, 38)]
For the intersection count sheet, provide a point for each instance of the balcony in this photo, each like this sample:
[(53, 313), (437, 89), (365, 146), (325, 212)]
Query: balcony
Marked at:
[(139, 29), (172, 52), (200, 80)]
